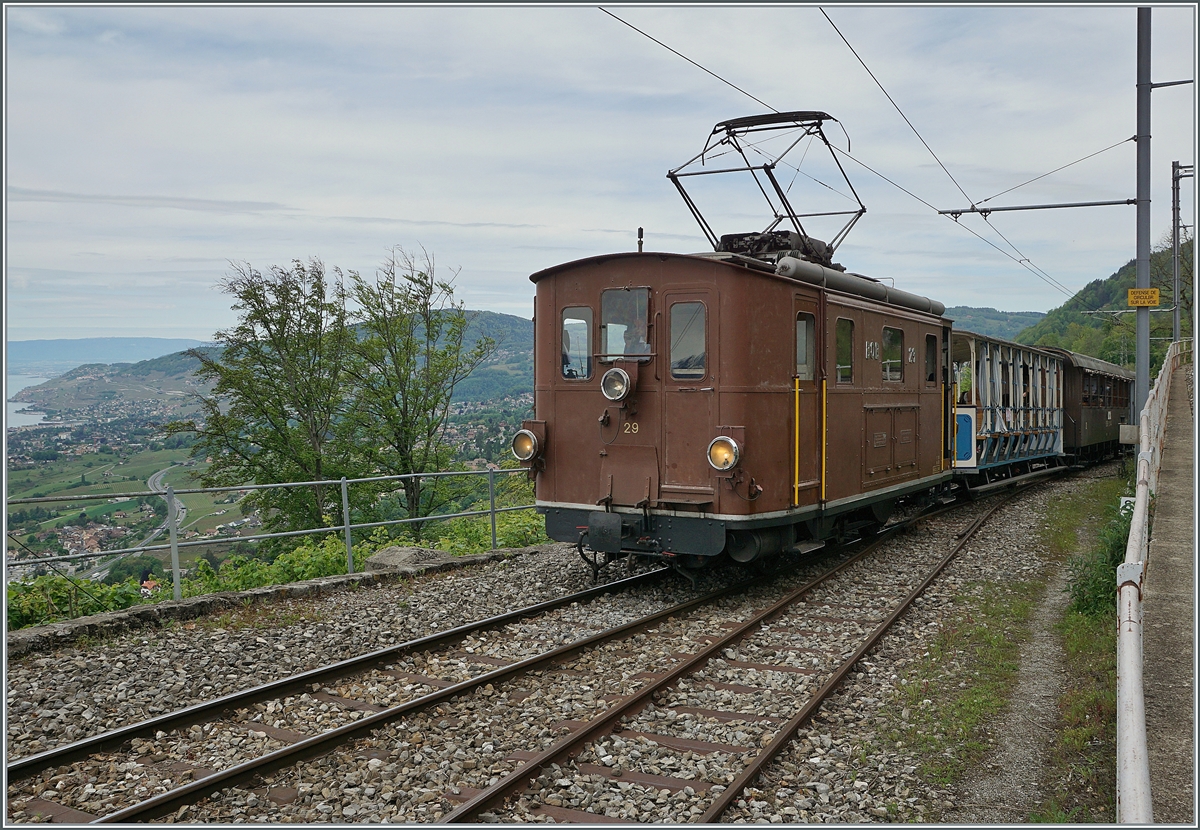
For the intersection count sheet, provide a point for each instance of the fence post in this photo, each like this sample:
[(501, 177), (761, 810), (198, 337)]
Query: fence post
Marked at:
[(492, 499), (171, 522), (346, 524)]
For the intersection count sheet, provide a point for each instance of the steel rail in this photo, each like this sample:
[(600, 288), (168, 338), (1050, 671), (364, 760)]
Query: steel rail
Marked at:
[(318, 745), (788, 732), (31, 765), (602, 724), (322, 744), (471, 810)]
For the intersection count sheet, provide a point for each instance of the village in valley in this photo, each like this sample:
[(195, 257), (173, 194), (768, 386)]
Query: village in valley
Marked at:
[(105, 435)]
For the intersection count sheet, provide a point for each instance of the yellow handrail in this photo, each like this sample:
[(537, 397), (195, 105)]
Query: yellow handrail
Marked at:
[(824, 430), (796, 460)]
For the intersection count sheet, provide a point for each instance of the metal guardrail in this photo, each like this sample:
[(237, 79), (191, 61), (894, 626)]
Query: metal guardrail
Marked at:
[(1133, 764), (346, 526)]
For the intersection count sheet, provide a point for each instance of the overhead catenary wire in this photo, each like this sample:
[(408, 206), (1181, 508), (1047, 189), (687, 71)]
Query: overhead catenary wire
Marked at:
[(1023, 261), (1057, 169), (897, 106), (686, 58)]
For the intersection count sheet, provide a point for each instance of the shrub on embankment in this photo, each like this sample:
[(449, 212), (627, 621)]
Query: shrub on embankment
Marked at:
[(53, 597), (1093, 573)]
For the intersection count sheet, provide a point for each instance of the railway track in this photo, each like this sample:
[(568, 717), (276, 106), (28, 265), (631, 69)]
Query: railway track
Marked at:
[(344, 691), (691, 700)]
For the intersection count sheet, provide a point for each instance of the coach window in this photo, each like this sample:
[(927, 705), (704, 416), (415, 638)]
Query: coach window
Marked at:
[(844, 369), (687, 340), (624, 314), (577, 343), (805, 345), (893, 354), (931, 350)]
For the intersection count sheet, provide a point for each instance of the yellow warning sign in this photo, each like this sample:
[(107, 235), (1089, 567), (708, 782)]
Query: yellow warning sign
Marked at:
[(1139, 297)]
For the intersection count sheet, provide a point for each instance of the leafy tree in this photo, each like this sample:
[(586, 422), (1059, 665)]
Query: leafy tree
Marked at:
[(275, 412), (410, 354), (1111, 336), (139, 567)]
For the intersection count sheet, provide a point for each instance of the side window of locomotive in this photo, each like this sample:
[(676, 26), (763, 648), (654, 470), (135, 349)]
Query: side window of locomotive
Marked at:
[(687, 340), (624, 314), (577, 343), (844, 368), (931, 358), (806, 339), (893, 354)]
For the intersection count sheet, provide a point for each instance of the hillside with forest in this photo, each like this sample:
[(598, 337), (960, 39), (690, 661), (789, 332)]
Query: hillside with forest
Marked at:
[(993, 323), (165, 386), (1109, 335)]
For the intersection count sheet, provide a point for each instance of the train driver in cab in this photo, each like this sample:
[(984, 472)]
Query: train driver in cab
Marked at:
[(635, 337)]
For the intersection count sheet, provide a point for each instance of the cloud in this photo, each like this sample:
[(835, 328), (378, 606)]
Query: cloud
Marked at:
[(25, 194), (507, 138)]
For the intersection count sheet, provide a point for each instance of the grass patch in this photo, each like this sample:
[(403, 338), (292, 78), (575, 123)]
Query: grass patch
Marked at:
[(962, 682), (1085, 531), (257, 615)]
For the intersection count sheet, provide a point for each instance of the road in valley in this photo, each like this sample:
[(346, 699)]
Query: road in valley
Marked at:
[(155, 483)]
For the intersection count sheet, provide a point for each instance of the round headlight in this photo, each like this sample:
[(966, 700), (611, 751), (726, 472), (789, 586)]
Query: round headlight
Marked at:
[(615, 384), (723, 453), (524, 445)]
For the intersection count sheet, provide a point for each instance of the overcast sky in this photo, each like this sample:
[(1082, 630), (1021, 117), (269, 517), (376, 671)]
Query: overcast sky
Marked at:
[(147, 148)]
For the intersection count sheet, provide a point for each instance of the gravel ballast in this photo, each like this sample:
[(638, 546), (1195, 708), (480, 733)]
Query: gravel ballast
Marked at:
[(838, 770)]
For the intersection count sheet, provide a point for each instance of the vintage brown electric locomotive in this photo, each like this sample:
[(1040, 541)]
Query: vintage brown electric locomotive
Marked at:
[(750, 400)]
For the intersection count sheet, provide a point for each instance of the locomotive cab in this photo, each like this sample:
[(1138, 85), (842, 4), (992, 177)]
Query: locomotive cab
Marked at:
[(750, 400), (684, 405)]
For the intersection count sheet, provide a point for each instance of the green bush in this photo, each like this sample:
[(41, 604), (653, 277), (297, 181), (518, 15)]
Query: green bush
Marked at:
[(50, 598), (1093, 575), (518, 529), (310, 560)]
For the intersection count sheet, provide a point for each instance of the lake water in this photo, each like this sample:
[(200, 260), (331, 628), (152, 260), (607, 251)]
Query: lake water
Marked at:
[(13, 418)]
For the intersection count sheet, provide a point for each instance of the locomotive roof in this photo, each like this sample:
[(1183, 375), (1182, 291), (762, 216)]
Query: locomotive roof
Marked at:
[(728, 259), (892, 297)]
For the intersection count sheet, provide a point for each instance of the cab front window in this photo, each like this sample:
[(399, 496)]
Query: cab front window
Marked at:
[(577, 343), (624, 319)]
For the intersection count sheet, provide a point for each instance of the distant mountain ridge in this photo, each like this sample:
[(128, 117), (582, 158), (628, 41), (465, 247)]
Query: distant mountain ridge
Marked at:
[(1003, 324), (29, 357), (85, 386)]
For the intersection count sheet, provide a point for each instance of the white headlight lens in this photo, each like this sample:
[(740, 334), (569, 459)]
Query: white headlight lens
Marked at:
[(723, 453), (524, 445), (615, 384)]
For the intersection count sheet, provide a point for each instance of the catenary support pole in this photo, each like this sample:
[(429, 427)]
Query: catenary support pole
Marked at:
[(1141, 387), (1175, 251)]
